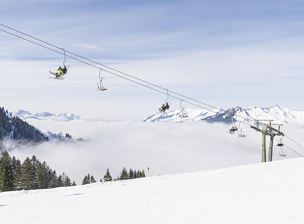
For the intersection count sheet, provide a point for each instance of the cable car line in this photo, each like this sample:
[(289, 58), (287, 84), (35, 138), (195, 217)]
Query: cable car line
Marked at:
[(131, 78)]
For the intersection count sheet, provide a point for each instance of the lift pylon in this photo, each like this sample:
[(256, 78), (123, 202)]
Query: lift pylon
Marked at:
[(266, 127)]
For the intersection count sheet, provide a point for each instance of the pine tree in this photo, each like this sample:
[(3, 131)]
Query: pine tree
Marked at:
[(107, 177), (92, 180), (53, 179), (131, 174), (35, 164), (59, 181), (143, 173), (16, 165), (86, 179), (26, 174), (124, 174), (43, 176), (6, 173), (66, 181)]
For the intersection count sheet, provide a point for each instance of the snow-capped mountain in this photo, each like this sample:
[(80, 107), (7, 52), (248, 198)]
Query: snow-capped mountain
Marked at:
[(23, 114), (231, 115), (15, 128), (182, 115)]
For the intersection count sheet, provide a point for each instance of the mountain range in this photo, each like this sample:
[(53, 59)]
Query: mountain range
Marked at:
[(23, 114), (15, 128), (231, 115)]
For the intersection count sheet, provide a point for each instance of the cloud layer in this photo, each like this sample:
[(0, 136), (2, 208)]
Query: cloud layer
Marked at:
[(164, 147)]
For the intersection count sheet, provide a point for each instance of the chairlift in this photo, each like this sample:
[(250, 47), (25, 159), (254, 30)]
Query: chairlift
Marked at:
[(183, 113), (100, 86), (241, 133), (61, 71), (233, 129), (166, 105), (280, 146)]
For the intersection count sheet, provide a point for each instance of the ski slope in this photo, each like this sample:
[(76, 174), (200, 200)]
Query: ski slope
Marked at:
[(254, 194)]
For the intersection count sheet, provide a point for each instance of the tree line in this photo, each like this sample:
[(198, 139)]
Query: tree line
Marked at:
[(124, 175), (31, 174)]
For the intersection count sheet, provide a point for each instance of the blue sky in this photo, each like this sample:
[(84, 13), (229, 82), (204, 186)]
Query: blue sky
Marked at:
[(223, 52), (144, 29)]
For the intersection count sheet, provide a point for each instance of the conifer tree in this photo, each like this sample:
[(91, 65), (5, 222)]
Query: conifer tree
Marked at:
[(124, 174), (26, 174), (92, 180), (86, 179), (16, 165), (66, 180), (59, 181), (107, 177), (131, 174), (35, 164), (6, 173), (142, 173), (43, 176), (53, 179)]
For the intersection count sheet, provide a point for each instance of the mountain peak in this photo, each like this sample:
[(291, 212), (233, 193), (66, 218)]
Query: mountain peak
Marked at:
[(17, 129), (232, 115), (23, 114)]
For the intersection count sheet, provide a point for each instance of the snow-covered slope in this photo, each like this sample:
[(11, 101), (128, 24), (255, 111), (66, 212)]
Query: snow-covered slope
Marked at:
[(261, 193), (276, 113), (185, 114), (23, 114), (12, 127)]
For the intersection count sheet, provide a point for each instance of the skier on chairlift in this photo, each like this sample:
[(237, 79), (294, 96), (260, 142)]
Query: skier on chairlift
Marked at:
[(164, 107), (60, 72), (233, 129)]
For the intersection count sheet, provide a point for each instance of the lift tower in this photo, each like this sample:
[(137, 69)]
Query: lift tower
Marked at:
[(266, 127)]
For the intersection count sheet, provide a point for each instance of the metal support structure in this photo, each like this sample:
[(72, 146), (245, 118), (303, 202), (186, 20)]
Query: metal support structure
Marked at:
[(263, 145), (270, 152), (267, 129)]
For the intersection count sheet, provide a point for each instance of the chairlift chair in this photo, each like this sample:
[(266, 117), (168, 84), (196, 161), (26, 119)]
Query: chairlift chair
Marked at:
[(233, 129), (100, 86), (280, 146), (241, 133), (64, 69), (183, 113), (166, 105)]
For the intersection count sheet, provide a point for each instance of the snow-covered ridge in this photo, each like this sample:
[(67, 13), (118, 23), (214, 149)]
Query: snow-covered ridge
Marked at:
[(276, 113), (23, 114), (182, 115)]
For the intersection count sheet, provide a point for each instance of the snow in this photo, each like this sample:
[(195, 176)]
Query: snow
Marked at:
[(182, 115), (25, 115), (277, 113), (254, 194)]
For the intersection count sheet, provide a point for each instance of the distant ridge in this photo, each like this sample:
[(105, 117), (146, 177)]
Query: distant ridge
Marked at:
[(23, 114), (231, 115), (15, 128)]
